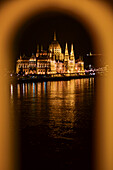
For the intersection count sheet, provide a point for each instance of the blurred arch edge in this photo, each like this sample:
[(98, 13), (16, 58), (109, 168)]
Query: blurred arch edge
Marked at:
[(97, 17)]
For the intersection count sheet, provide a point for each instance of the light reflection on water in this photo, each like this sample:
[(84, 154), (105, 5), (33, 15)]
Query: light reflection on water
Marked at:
[(55, 120), (11, 87), (55, 104)]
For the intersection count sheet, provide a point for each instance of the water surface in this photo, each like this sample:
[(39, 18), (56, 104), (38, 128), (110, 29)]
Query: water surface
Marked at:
[(54, 123)]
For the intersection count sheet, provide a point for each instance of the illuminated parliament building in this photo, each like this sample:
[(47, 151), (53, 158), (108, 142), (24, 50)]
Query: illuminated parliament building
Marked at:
[(51, 62)]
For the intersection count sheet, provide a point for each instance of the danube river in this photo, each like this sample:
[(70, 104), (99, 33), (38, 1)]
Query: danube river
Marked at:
[(55, 121)]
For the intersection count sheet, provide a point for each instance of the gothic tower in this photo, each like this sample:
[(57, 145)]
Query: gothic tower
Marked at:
[(66, 58), (72, 57), (72, 61)]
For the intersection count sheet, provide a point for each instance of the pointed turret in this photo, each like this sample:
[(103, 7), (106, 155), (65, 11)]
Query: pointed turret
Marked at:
[(66, 50), (72, 57), (37, 54), (72, 51), (72, 61), (66, 57), (37, 48)]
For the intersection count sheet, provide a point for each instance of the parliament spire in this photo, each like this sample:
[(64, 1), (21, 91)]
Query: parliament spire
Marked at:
[(54, 36)]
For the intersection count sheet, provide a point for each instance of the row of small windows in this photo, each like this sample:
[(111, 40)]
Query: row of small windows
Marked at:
[(42, 65), (41, 70), (27, 66)]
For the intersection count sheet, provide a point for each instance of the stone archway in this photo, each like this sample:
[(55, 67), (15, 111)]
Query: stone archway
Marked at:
[(95, 15)]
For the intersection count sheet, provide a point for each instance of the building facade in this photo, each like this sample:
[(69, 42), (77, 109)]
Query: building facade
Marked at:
[(51, 62)]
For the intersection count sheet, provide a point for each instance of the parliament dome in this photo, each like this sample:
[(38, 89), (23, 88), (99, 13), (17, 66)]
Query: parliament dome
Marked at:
[(55, 46)]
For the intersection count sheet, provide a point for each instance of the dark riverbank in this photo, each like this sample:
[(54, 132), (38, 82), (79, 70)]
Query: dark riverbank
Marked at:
[(45, 79)]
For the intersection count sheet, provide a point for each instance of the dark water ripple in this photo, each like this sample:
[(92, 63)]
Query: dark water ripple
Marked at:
[(55, 124)]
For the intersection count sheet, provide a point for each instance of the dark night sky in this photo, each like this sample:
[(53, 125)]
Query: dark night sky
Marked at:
[(40, 29)]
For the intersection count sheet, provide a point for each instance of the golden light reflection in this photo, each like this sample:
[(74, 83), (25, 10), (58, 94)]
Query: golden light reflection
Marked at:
[(39, 88), (11, 90), (68, 100), (29, 90), (62, 100), (18, 90)]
